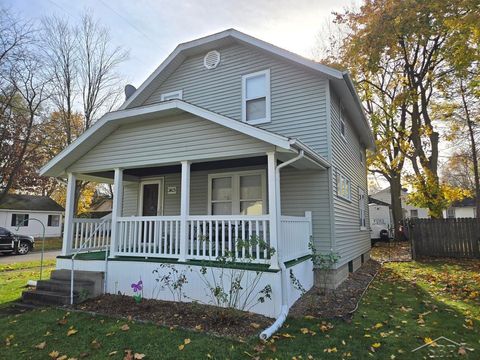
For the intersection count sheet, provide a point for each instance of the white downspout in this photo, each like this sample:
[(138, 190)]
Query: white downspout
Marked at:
[(272, 329)]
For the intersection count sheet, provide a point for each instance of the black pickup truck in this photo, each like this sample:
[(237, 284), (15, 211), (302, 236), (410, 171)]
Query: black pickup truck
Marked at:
[(19, 244)]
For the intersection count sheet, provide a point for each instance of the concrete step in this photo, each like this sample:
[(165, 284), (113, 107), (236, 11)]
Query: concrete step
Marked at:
[(64, 274), (95, 277), (63, 286), (42, 297)]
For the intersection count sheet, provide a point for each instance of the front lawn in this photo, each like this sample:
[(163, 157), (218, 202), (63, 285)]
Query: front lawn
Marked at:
[(50, 244), (13, 278), (407, 304)]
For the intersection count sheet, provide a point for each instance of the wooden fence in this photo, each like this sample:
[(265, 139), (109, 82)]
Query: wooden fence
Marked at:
[(458, 238)]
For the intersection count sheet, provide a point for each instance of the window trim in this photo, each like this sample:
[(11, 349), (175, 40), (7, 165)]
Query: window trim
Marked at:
[(452, 210), (362, 203), (23, 224), (413, 217), (339, 178), (235, 176), (179, 93), (50, 216), (161, 194), (267, 118)]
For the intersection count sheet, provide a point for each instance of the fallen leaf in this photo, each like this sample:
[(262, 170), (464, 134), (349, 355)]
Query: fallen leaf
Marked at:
[(462, 351), (376, 345), (125, 327), (112, 353), (138, 356), (63, 357), (128, 355), (41, 346), (187, 341), (255, 325), (198, 327), (71, 331), (181, 347), (95, 344), (62, 321), (54, 354)]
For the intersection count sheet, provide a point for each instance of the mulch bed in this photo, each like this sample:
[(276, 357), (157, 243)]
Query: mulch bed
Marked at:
[(338, 303), (202, 318)]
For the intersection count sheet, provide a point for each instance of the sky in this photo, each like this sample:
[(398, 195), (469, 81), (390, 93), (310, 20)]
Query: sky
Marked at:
[(151, 29)]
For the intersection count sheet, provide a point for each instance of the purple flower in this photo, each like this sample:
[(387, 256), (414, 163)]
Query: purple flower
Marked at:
[(138, 286)]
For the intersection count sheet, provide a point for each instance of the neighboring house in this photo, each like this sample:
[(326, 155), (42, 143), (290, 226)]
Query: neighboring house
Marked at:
[(230, 139), (19, 212), (409, 211), (465, 208), (99, 208)]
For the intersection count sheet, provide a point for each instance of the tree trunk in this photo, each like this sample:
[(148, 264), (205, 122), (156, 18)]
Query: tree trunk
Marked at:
[(473, 147), (396, 204)]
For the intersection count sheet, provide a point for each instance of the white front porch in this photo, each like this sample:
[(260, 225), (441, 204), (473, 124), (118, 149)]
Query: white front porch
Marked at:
[(164, 229)]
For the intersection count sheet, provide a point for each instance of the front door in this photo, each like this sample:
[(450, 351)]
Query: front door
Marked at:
[(151, 198)]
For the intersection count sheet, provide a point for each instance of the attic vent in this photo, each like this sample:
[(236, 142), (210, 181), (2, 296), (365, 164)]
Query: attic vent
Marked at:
[(212, 59)]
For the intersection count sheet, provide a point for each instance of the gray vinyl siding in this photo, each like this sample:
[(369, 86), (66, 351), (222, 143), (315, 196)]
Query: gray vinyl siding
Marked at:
[(350, 242), (167, 141), (307, 190), (298, 96), (130, 200)]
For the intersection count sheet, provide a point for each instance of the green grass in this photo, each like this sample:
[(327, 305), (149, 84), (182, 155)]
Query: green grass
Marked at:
[(13, 278), (407, 303), (50, 244)]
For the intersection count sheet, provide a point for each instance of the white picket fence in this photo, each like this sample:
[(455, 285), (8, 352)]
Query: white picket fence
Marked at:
[(91, 234)]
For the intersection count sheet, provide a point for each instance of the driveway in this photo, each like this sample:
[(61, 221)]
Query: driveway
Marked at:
[(32, 256)]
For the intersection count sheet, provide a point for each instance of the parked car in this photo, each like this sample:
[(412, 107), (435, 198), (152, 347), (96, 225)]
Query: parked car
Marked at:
[(13, 243)]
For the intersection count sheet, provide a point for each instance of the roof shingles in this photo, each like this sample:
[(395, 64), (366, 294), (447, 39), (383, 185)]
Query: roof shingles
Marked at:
[(29, 202)]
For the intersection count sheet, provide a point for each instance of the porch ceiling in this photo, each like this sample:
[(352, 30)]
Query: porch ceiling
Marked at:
[(110, 122)]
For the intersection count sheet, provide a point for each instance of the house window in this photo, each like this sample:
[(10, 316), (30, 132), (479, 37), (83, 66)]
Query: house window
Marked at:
[(343, 127), (414, 214), (19, 219), (256, 97), (172, 95), (361, 209), (237, 193), (343, 187), (53, 220), (451, 213)]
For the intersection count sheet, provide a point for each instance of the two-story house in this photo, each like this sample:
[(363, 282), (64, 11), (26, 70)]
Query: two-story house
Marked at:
[(232, 146)]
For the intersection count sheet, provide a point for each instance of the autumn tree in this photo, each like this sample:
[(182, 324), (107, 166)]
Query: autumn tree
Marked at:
[(421, 38)]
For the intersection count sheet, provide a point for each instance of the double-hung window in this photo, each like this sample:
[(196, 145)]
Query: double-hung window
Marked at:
[(242, 193), (19, 220), (53, 220), (361, 209), (343, 187), (256, 97), (451, 213)]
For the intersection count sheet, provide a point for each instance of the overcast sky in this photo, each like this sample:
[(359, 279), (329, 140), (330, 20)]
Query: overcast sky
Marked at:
[(151, 29)]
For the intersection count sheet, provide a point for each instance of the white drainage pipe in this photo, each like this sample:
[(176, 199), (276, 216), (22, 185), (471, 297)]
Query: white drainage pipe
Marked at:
[(272, 329)]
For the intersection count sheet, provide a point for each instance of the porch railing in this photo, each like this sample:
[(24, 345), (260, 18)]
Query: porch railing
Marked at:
[(91, 234), (148, 236), (295, 233), (243, 238)]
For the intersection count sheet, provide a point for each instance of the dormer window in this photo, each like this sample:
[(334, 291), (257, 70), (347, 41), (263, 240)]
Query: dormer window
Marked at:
[(172, 95), (256, 97)]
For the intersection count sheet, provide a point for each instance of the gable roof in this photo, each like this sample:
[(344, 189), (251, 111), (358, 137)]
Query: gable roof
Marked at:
[(112, 120), (466, 202), (341, 81), (29, 203)]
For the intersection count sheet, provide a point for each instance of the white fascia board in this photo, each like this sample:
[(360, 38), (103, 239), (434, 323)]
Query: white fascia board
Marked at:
[(310, 153)]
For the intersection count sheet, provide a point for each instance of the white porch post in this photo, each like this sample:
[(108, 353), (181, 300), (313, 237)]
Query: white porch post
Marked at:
[(273, 203), (184, 209), (69, 215), (116, 207)]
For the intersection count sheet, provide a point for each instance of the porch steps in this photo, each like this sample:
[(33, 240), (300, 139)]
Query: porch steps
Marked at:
[(56, 291)]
